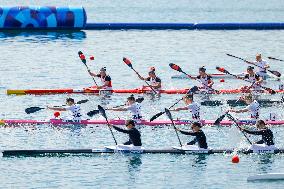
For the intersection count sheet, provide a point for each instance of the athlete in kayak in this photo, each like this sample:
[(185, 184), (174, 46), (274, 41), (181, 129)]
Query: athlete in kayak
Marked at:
[(155, 82), (253, 107), (192, 106), (132, 106), (205, 79), (266, 133), (134, 134), (105, 79), (73, 107), (200, 137), (254, 78), (262, 66)]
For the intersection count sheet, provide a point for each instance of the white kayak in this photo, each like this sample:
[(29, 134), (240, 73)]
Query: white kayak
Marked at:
[(268, 176)]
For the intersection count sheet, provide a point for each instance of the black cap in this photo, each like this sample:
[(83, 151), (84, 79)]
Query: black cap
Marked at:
[(130, 122), (250, 68), (70, 100), (196, 124), (103, 69), (202, 69)]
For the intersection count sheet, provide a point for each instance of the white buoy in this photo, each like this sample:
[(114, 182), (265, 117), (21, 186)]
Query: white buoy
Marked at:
[(268, 176)]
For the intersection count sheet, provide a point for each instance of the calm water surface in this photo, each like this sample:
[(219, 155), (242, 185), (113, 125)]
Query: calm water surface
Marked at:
[(49, 60)]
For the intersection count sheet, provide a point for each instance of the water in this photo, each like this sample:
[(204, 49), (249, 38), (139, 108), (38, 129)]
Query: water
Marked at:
[(49, 60)]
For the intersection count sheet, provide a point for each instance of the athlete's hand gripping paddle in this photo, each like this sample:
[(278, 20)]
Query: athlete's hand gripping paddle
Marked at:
[(129, 64)]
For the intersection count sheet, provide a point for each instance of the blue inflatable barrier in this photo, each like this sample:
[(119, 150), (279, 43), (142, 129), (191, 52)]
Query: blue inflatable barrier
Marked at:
[(43, 17), (187, 26)]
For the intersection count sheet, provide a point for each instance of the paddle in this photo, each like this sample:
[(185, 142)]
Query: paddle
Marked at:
[(94, 112), (177, 68), (276, 73), (219, 119), (103, 113), (171, 118), (192, 90), (275, 59), (83, 59), (129, 64), (35, 108), (271, 91), (234, 120)]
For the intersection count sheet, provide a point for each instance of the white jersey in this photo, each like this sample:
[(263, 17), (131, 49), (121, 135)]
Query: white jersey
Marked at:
[(194, 108), (135, 110), (254, 109), (254, 78), (261, 69), (205, 81), (76, 112)]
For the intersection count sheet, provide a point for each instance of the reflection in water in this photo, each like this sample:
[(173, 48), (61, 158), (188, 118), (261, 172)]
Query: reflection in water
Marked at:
[(200, 160), (134, 165), (44, 36), (265, 162)]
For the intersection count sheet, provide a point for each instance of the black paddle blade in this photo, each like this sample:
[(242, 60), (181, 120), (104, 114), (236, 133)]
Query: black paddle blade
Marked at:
[(33, 109), (140, 99), (192, 90), (93, 112), (82, 101), (218, 121), (169, 114), (175, 67), (156, 116), (276, 73), (102, 111), (127, 62)]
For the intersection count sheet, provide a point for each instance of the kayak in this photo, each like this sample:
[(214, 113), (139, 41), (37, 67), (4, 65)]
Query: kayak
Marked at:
[(130, 91), (20, 122), (136, 150)]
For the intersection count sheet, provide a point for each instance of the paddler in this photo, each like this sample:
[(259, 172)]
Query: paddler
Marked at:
[(132, 106), (205, 79), (253, 107), (192, 106), (253, 78), (266, 133), (155, 82), (105, 79), (200, 137), (262, 66), (134, 134), (73, 107)]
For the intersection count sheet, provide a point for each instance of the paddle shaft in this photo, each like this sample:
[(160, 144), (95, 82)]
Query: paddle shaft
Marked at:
[(176, 132), (90, 74), (275, 59), (144, 80), (266, 88), (111, 131), (197, 80), (233, 119), (273, 72)]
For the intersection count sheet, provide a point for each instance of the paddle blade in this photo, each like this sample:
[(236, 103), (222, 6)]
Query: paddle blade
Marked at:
[(93, 112), (175, 67), (140, 99), (221, 70), (156, 116), (127, 62), (33, 109), (82, 57), (102, 111), (168, 113), (276, 73), (218, 121), (82, 101), (192, 90)]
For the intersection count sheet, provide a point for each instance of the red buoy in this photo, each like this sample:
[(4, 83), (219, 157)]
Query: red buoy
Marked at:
[(56, 114), (92, 58), (235, 159), (222, 80)]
